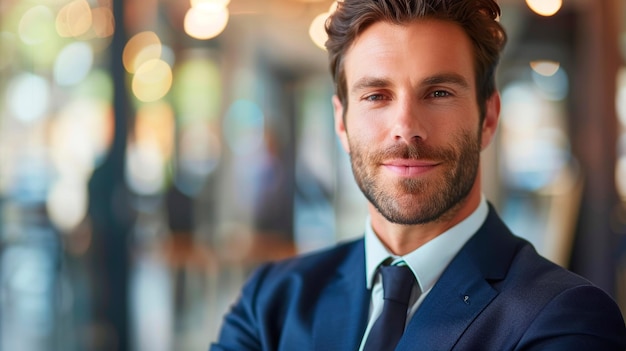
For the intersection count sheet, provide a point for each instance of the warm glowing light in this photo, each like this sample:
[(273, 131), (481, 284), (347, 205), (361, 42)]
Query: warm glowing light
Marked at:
[(317, 32), (74, 19), (155, 124), (152, 80), (220, 3), (333, 7), (545, 68), (79, 135), (142, 47), (206, 20), (545, 7), (103, 22), (34, 26)]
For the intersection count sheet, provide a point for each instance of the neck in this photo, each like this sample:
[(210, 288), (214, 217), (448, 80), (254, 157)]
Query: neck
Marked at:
[(402, 239)]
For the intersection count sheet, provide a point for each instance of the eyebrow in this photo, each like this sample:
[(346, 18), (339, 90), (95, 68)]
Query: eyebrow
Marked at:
[(446, 78), (443, 78), (370, 82)]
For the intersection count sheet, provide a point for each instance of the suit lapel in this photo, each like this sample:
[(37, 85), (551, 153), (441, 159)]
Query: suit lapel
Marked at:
[(448, 309), (463, 290), (341, 313)]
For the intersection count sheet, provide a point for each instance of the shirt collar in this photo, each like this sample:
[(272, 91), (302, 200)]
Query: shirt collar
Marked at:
[(429, 260)]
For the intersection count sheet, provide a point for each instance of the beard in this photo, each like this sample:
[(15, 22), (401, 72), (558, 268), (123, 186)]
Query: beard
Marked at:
[(421, 200)]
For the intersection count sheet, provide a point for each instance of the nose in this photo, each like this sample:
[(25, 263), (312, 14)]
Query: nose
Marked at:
[(408, 123)]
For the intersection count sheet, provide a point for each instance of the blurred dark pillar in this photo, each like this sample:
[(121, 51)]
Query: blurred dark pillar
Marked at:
[(594, 136), (111, 216)]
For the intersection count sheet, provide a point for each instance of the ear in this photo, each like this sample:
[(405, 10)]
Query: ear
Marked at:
[(492, 116), (340, 127)]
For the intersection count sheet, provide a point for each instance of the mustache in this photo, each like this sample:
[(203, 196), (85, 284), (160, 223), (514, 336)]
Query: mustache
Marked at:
[(413, 152)]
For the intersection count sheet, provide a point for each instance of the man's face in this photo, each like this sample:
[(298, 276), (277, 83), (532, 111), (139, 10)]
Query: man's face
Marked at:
[(413, 128)]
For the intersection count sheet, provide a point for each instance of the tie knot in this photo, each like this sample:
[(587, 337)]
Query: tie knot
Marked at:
[(397, 283)]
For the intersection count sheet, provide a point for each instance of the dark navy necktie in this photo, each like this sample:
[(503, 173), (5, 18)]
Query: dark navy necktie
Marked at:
[(388, 328)]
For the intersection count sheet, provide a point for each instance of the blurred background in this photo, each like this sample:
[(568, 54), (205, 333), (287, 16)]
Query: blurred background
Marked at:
[(154, 152)]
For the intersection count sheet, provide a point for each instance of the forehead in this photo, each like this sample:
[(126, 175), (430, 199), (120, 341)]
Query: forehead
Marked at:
[(415, 51)]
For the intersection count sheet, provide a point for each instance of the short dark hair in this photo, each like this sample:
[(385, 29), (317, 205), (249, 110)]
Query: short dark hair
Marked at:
[(478, 18)]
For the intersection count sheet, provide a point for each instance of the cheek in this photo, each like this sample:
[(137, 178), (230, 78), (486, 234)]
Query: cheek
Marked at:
[(366, 126)]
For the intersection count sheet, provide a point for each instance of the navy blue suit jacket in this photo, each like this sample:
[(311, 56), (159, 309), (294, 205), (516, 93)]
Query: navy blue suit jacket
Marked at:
[(496, 294)]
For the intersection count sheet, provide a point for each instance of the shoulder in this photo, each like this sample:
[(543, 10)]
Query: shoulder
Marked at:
[(541, 305), (555, 301), (581, 314), (528, 282), (542, 275), (512, 262), (312, 267), (280, 295)]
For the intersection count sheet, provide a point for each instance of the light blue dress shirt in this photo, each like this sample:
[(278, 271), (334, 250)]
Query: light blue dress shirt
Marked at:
[(427, 262)]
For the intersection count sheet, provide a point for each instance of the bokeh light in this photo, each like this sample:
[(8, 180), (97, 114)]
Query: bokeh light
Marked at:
[(534, 145), (103, 22), (74, 19), (206, 20), (155, 124), (534, 162), (148, 152), (197, 91), (80, 136), (317, 32), (152, 80), (545, 67), (145, 168), (317, 29), (142, 47), (28, 97), (554, 87), (220, 3), (36, 25), (67, 203), (521, 108), (545, 7), (73, 63)]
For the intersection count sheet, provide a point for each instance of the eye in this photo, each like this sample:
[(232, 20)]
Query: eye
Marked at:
[(374, 97), (440, 94)]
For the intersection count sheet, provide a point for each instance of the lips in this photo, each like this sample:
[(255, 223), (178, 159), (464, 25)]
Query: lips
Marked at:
[(409, 168)]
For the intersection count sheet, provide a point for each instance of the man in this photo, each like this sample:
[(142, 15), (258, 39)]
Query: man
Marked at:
[(415, 105)]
